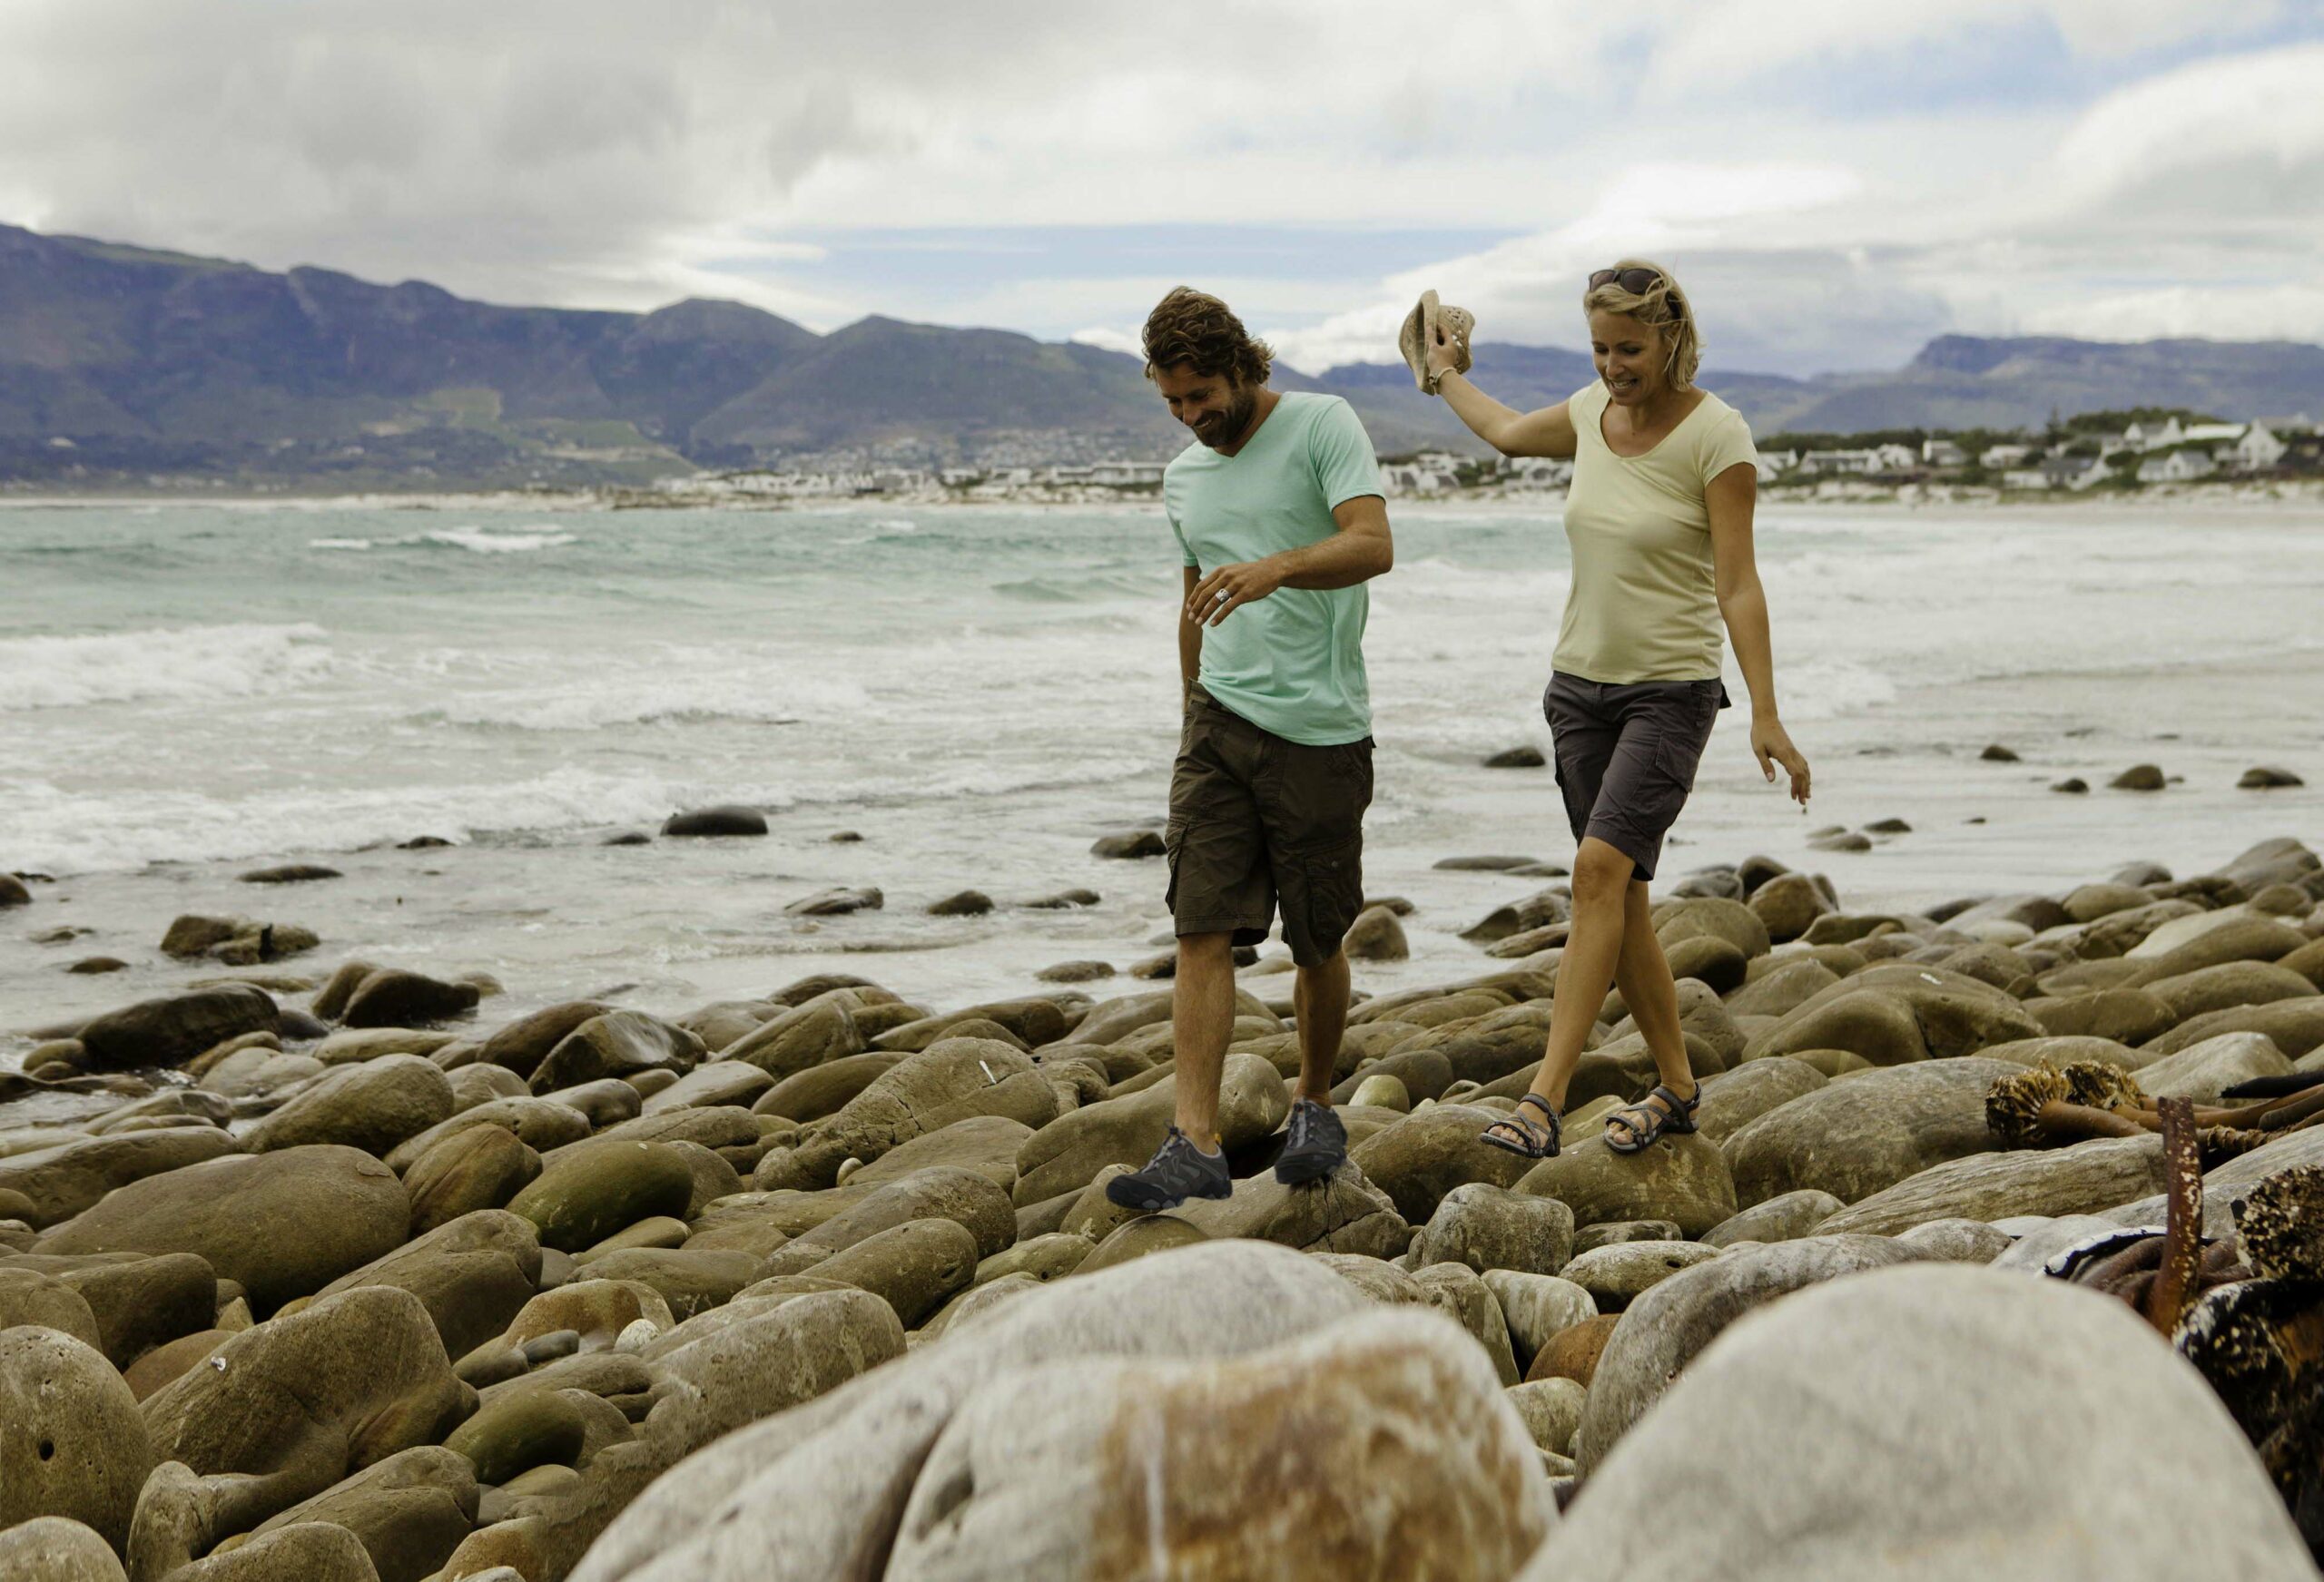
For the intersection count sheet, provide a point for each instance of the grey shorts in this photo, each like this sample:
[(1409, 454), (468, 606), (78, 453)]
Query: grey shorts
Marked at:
[(1255, 818), (1626, 756)]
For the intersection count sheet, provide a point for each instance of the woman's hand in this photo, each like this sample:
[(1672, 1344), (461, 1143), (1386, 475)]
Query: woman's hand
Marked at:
[(1772, 745), (1442, 354)]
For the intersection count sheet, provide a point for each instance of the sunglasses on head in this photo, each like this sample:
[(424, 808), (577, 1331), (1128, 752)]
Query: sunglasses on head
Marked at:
[(1634, 280)]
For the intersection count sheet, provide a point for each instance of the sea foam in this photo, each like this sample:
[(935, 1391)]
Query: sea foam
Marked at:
[(192, 662)]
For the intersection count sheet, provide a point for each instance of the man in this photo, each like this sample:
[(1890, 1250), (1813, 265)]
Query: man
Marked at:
[(1279, 511)]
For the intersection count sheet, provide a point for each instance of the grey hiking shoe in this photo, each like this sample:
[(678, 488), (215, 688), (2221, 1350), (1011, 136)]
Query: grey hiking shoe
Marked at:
[(1314, 1144), (1177, 1172)]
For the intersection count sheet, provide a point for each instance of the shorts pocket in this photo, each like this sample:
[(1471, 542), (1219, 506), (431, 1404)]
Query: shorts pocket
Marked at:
[(1678, 747), (1331, 883)]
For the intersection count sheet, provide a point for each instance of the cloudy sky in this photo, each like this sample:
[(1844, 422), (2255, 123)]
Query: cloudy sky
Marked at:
[(1834, 181)]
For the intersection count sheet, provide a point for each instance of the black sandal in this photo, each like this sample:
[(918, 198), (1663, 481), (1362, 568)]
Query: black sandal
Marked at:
[(1652, 1123), (1533, 1140)]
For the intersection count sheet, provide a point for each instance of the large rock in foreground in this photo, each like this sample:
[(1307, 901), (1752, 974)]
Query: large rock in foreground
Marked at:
[(1379, 1448), (72, 1443), (282, 1224), (813, 1493), (1661, 1333), (2073, 1446), (56, 1548)]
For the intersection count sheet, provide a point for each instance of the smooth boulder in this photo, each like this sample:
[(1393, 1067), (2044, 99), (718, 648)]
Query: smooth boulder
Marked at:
[(1661, 1333), (1380, 1446), (2047, 1405), (373, 1106), (281, 1224), (1854, 1138), (72, 1441)]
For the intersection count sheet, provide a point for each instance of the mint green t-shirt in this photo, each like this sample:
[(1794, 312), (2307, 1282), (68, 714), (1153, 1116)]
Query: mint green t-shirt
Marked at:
[(1291, 662)]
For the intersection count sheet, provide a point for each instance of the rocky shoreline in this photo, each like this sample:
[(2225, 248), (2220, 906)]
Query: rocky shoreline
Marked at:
[(2020, 1201)]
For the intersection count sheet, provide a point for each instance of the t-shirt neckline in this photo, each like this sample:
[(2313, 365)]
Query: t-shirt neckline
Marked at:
[(1648, 454), (1266, 423)]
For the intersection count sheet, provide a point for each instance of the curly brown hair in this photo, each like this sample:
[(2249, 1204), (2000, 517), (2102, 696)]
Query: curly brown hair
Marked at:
[(1193, 327)]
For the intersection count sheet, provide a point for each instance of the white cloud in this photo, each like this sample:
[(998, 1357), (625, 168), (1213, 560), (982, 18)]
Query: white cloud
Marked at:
[(599, 152), (1105, 339), (2265, 109)]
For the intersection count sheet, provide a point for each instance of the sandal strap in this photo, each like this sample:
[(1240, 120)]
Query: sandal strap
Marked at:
[(1652, 1123), (1535, 1133), (1552, 1132), (1527, 1128)]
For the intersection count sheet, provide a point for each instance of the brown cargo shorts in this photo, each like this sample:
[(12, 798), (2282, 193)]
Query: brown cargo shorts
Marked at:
[(1254, 817), (1626, 756)]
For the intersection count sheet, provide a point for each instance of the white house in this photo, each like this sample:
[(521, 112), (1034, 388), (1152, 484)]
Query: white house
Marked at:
[(2218, 435), (1998, 456), (1411, 478), (2178, 466), (2290, 428), (2148, 436), (2056, 472), (1127, 472), (1893, 459), (1943, 453), (1839, 461), (1781, 460), (1439, 461), (1541, 472), (954, 478), (2257, 449), (1071, 474)]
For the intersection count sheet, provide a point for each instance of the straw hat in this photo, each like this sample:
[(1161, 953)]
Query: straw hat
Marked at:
[(1429, 321)]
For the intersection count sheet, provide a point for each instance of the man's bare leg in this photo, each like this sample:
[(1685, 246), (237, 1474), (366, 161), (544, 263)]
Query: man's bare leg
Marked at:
[(1202, 1024), (1319, 998)]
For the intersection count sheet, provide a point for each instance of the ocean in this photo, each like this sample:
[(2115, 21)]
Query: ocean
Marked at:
[(191, 690)]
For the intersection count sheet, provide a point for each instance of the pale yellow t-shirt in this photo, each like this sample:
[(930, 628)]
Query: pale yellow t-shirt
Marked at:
[(1645, 599)]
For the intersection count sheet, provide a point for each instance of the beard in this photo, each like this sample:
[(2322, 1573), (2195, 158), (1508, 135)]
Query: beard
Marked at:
[(1226, 429)]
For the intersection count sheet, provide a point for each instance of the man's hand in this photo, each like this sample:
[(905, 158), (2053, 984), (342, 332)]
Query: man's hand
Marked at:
[(1771, 741), (1230, 587)]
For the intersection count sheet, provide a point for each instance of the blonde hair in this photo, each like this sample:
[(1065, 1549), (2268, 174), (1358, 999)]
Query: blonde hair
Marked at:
[(1664, 306)]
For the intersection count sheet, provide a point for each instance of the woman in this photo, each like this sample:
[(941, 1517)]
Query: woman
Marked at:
[(1659, 518)]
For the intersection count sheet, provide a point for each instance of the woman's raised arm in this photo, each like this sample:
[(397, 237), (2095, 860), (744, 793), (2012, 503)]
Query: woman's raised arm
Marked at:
[(1546, 432)]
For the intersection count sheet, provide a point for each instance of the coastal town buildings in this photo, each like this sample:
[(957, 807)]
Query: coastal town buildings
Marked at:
[(2067, 459), (2182, 465)]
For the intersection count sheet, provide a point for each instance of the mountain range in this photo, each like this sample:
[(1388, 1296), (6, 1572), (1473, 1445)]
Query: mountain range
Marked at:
[(127, 363)]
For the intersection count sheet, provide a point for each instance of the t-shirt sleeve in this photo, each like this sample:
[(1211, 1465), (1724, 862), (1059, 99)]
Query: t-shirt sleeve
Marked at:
[(1346, 464), (1170, 512), (1727, 442), (1585, 406)]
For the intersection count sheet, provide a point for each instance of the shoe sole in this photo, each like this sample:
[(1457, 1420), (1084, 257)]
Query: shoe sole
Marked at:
[(1299, 1173), (1149, 1202)]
